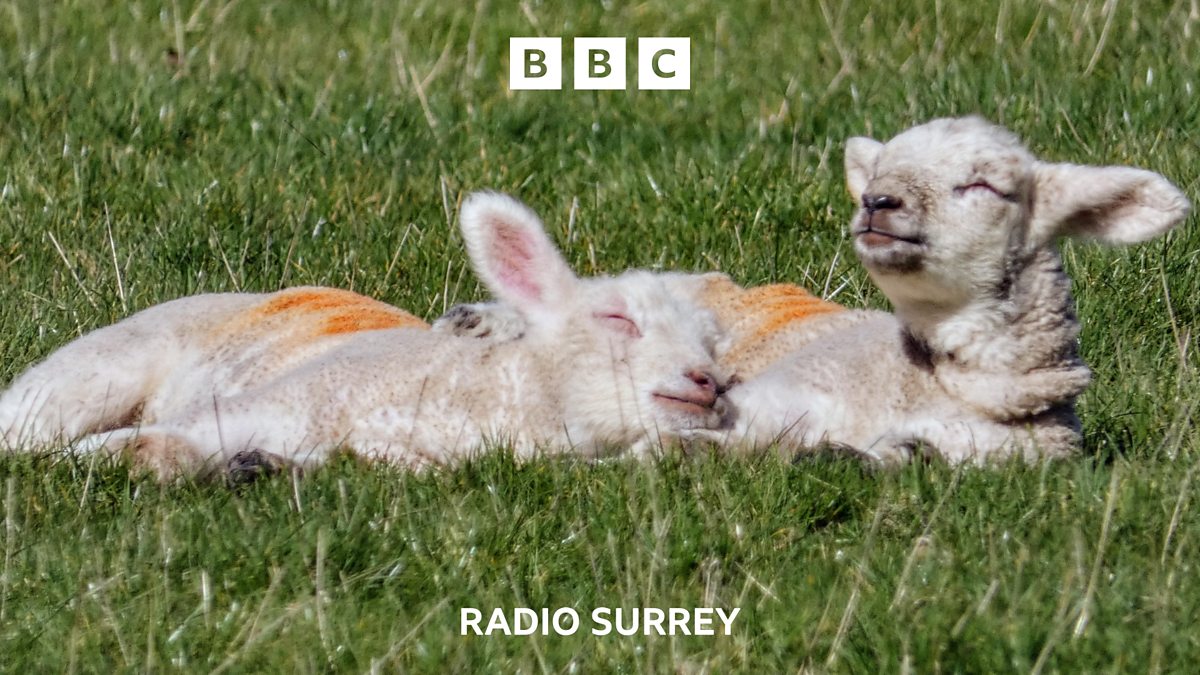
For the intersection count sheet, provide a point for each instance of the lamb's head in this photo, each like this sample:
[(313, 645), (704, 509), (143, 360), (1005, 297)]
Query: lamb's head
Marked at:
[(635, 354), (948, 208)]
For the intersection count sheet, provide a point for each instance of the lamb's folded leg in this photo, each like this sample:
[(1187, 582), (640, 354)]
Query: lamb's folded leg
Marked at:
[(102, 380), (165, 456), (98, 382), (977, 441)]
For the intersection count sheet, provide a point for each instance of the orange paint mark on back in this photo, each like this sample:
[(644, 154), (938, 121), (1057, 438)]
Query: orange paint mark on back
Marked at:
[(332, 311), (778, 305), (360, 319), (335, 311), (759, 311), (765, 322)]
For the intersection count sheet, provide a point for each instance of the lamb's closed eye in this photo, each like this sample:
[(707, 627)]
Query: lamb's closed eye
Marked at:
[(619, 323), (980, 185)]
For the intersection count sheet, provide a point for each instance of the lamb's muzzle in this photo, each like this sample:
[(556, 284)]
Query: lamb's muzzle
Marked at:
[(699, 399), (876, 229)]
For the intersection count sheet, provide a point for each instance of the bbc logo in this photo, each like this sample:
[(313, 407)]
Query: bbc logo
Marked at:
[(599, 63)]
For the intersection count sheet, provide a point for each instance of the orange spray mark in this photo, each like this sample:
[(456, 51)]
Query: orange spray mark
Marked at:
[(337, 311), (332, 311), (764, 321), (778, 305)]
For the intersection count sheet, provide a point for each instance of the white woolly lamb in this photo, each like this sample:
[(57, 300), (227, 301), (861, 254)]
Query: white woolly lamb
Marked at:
[(605, 363), (957, 226)]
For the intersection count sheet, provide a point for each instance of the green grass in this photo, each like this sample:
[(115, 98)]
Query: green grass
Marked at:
[(329, 143)]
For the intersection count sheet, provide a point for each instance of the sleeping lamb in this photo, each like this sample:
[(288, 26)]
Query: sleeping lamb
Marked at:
[(607, 363), (958, 226)]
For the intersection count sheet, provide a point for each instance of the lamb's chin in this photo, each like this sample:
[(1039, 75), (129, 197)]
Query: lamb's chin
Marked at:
[(678, 415), (896, 256)]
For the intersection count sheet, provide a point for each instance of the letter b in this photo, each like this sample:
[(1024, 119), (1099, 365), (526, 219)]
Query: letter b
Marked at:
[(534, 63), (599, 63)]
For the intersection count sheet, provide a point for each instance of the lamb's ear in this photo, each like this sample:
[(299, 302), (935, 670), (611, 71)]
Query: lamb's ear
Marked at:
[(861, 155), (1112, 204), (514, 257)]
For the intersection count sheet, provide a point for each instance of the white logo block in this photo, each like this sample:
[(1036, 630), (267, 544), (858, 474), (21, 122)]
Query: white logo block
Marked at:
[(600, 63), (664, 63), (534, 63)]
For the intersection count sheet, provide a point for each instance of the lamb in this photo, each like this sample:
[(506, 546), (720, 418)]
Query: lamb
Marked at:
[(605, 363), (958, 227)]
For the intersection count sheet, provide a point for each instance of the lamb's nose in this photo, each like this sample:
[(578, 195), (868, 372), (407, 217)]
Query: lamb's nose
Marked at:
[(873, 203), (705, 381)]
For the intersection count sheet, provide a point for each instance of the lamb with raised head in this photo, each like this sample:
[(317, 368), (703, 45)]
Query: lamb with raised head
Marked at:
[(605, 363), (958, 227)]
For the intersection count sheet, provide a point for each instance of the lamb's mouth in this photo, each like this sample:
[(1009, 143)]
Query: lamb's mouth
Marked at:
[(698, 403), (874, 238)]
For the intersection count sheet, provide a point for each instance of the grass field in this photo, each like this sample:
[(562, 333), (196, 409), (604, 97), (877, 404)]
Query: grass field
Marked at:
[(150, 151)]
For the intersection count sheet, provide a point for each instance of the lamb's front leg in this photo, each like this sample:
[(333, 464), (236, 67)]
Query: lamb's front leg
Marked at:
[(1010, 396)]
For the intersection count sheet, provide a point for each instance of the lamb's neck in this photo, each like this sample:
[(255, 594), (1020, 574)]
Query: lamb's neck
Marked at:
[(1028, 322)]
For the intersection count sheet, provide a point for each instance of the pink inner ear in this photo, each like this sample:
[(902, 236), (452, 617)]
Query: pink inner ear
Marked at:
[(514, 260)]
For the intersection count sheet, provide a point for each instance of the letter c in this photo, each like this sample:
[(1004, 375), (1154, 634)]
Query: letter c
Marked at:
[(654, 63)]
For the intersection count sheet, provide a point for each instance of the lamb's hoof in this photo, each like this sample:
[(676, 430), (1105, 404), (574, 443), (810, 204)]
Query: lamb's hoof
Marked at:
[(481, 320), (836, 452), (248, 466), (894, 454), (464, 321)]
